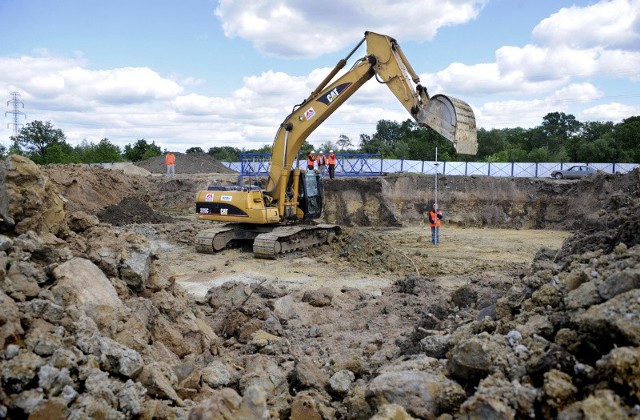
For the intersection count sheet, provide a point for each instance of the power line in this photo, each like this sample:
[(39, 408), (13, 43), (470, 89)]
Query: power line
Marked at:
[(15, 112)]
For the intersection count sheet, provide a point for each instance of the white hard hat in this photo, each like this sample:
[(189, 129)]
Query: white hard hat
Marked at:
[(313, 151), (320, 152), (330, 151)]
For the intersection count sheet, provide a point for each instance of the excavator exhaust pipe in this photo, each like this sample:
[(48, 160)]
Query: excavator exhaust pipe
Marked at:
[(453, 119)]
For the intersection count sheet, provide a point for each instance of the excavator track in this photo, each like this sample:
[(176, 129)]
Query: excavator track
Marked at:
[(210, 241), (286, 239)]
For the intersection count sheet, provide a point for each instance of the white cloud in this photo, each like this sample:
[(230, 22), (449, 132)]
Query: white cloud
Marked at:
[(613, 24), (609, 112), (290, 28)]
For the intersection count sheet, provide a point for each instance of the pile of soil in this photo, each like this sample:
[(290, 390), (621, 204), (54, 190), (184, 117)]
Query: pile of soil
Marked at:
[(132, 210), (186, 163)]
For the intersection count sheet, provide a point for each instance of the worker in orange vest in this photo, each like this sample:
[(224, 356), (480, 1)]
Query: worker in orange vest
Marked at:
[(311, 160), (331, 161), (170, 160), (321, 160), (435, 218)]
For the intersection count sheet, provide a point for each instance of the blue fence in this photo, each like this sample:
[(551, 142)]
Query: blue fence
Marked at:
[(258, 164)]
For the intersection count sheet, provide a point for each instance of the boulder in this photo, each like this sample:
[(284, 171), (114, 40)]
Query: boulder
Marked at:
[(422, 394), (29, 200)]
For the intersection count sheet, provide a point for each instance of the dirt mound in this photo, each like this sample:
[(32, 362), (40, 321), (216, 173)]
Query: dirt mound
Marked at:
[(187, 163), (132, 210)]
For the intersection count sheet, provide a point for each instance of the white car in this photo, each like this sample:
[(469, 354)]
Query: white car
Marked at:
[(574, 172)]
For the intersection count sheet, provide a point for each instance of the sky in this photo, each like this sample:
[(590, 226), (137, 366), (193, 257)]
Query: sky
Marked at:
[(207, 73)]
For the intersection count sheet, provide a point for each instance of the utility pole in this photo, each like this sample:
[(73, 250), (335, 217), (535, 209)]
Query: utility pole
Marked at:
[(15, 112)]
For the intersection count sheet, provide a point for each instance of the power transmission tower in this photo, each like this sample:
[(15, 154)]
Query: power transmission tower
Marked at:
[(16, 103)]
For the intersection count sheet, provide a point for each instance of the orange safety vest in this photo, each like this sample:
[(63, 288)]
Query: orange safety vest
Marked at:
[(171, 159), (332, 159), (434, 219), (321, 160), (310, 160)]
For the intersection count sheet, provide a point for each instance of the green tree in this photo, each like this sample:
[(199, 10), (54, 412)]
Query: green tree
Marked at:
[(490, 143), (225, 153), (3, 152), (104, 151), (561, 130), (625, 137), (343, 142), (60, 152), (141, 150), (35, 137), (195, 150)]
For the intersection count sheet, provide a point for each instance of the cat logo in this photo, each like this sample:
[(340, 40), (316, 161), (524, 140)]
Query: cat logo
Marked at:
[(223, 212), (331, 96)]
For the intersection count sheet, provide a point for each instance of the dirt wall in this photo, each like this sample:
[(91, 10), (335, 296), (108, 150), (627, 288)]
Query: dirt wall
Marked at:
[(475, 200)]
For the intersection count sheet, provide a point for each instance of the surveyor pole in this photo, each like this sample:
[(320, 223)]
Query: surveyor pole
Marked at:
[(435, 195)]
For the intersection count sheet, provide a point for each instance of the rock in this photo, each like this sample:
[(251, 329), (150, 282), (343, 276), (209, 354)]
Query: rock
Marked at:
[(263, 342), (223, 404), (559, 391), (496, 397), (284, 308), (10, 326), (230, 295), (5, 242), (309, 405), (82, 283), (134, 334), (32, 201), (341, 381), (53, 380), (583, 296), (80, 221), (135, 262), (620, 282), (392, 411), (319, 298), (19, 371), (435, 345), (615, 320), (621, 369), (160, 380), (470, 360), (307, 374), (131, 398), (21, 281), (603, 404), (422, 394), (216, 374)]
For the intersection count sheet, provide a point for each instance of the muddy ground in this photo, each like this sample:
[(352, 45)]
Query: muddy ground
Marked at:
[(528, 308)]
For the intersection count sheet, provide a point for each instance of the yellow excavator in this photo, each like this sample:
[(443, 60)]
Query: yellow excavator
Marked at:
[(279, 218)]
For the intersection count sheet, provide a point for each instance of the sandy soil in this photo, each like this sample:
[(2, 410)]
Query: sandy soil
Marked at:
[(464, 255)]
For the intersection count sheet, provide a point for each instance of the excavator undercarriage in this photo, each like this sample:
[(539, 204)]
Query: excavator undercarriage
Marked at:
[(268, 241)]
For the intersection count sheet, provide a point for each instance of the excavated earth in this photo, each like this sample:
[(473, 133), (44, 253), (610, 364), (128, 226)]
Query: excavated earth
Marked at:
[(530, 307)]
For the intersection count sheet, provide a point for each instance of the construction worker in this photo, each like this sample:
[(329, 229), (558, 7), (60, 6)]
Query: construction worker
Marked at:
[(435, 218), (321, 160), (311, 160), (170, 160), (331, 161)]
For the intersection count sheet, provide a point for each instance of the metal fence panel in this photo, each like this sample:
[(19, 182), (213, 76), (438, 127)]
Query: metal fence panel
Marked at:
[(367, 165)]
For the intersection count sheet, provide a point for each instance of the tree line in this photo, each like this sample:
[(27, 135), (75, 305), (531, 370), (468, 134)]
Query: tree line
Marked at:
[(559, 138)]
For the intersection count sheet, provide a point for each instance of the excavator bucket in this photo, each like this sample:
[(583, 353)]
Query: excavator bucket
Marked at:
[(453, 119)]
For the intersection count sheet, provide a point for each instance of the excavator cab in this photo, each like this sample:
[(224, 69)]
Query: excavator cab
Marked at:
[(310, 195)]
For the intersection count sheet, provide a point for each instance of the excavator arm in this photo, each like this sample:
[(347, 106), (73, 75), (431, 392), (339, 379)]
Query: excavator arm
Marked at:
[(450, 117)]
